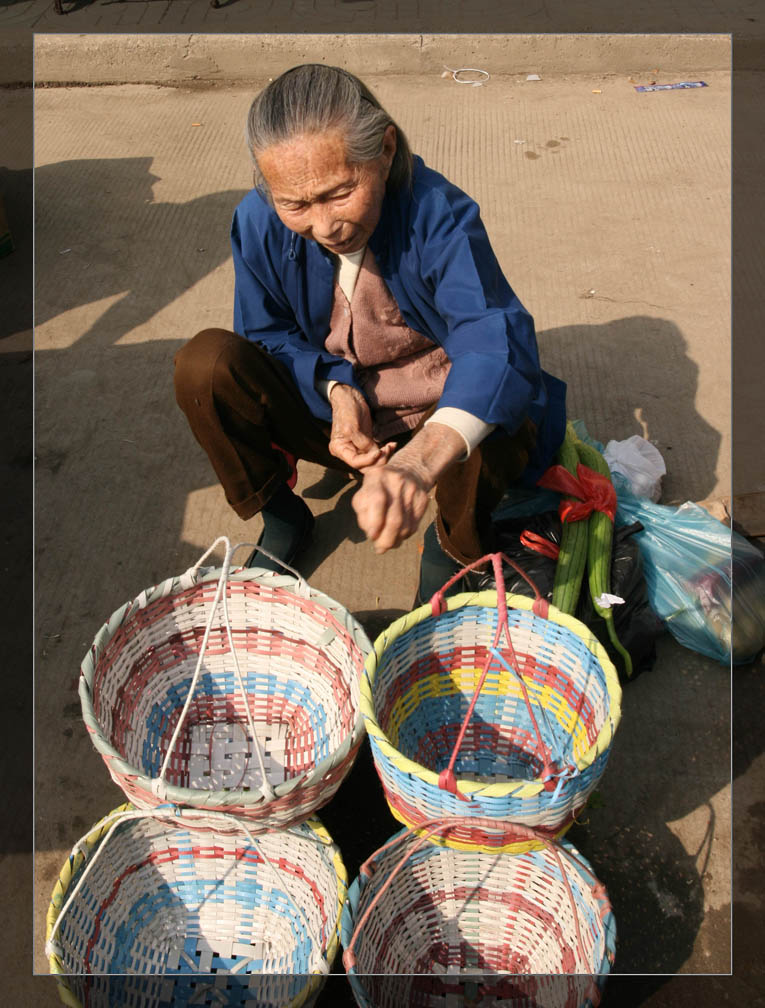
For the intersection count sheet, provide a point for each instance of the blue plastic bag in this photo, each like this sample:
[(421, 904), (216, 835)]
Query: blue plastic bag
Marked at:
[(705, 582)]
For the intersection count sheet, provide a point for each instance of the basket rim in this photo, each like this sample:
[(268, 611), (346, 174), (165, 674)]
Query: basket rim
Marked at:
[(193, 796), (475, 846), (483, 600), (94, 838), (356, 888)]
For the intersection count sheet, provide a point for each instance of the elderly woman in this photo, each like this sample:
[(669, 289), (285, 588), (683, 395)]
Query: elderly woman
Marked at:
[(374, 333)]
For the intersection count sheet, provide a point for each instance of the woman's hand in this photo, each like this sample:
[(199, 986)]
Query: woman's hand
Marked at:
[(390, 503), (394, 495), (351, 438)]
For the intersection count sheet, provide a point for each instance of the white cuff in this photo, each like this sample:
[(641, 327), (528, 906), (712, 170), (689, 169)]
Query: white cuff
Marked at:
[(471, 428), (324, 386)]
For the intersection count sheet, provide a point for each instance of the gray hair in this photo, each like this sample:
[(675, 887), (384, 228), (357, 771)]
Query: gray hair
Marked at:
[(313, 98)]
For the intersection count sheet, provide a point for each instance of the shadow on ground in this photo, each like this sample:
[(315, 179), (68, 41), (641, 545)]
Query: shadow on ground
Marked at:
[(163, 249), (636, 377)]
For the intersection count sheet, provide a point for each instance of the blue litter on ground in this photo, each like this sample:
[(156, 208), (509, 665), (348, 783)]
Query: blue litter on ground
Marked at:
[(671, 87)]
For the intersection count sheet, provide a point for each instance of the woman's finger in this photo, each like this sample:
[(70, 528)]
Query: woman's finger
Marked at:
[(390, 533), (349, 453)]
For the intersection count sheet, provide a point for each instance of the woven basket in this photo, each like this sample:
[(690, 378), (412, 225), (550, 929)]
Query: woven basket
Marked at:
[(229, 919), (493, 707), (227, 690), (441, 927)]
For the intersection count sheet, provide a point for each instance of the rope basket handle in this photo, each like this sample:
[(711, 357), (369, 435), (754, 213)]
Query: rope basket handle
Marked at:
[(111, 822), (447, 780), (540, 606), (187, 580), (158, 784), (444, 824)]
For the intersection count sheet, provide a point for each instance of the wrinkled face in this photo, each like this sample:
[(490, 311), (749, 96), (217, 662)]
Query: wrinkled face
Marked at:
[(320, 195)]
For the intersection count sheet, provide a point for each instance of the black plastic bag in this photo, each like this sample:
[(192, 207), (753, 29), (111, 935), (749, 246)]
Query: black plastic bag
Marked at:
[(637, 625)]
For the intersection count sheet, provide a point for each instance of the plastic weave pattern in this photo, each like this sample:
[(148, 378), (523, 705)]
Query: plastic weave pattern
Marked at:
[(195, 916), (536, 742), (292, 679), (427, 925)]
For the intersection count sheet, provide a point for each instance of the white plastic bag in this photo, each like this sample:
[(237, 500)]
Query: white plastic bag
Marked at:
[(640, 463)]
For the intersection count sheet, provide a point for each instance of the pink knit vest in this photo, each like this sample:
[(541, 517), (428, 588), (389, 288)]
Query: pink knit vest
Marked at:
[(401, 372)]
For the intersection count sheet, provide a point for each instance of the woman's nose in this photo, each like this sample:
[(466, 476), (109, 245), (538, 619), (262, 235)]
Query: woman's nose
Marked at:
[(324, 223)]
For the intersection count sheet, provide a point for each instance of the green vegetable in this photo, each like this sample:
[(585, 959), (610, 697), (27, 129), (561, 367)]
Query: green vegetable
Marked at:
[(600, 535), (572, 557)]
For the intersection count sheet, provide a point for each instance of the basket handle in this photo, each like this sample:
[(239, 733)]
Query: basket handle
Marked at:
[(158, 784), (444, 824), (446, 779), (111, 822), (540, 606)]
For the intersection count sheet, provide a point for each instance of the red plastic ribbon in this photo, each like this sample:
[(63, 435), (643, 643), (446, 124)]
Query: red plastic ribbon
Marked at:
[(593, 492), (291, 462), (538, 543)]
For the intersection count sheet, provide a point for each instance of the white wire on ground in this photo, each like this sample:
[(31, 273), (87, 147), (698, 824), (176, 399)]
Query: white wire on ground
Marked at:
[(473, 83)]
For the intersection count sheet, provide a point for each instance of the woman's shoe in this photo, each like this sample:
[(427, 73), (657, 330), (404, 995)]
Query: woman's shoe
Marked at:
[(436, 567), (287, 530)]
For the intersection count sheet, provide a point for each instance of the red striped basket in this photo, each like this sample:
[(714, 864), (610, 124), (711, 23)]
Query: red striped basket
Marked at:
[(228, 690), (430, 926)]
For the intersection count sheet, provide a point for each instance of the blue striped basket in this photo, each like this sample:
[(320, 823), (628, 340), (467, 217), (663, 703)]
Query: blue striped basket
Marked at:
[(492, 707), (148, 913), (428, 926)]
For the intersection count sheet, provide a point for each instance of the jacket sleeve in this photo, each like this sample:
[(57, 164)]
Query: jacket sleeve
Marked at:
[(263, 314), (490, 338)]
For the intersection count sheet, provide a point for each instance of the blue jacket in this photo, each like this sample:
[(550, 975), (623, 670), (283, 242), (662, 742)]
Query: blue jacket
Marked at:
[(434, 254)]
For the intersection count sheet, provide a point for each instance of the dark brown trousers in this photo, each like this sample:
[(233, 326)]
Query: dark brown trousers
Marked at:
[(246, 412)]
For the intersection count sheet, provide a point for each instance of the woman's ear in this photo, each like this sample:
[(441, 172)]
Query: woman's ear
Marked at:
[(389, 145)]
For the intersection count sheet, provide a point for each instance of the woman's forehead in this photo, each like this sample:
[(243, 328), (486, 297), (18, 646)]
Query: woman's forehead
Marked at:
[(307, 164)]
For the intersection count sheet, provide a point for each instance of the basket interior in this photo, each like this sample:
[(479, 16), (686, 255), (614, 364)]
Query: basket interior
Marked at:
[(450, 915), (165, 900), (301, 688), (426, 678)]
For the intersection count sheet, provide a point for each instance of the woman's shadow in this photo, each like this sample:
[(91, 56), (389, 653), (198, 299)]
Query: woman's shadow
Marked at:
[(103, 235), (634, 375)]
